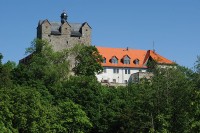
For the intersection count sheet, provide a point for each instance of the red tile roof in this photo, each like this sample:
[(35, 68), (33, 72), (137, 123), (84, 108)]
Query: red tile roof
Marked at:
[(120, 53), (160, 59)]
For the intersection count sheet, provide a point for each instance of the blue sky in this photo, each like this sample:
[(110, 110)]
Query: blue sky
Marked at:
[(173, 25)]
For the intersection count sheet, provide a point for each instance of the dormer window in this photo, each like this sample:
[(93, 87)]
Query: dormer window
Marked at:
[(104, 60), (136, 61), (114, 60), (126, 59)]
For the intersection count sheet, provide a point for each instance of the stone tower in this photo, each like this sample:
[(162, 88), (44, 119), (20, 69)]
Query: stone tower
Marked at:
[(62, 35)]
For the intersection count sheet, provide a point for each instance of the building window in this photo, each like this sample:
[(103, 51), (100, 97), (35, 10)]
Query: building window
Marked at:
[(104, 70), (115, 70), (104, 60), (125, 81), (136, 62), (114, 80), (114, 60), (127, 71), (126, 60)]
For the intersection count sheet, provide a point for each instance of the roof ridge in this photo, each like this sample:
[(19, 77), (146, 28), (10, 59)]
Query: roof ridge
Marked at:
[(125, 49), (54, 22), (141, 55), (74, 23)]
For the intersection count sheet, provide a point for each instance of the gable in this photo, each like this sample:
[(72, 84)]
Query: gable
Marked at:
[(159, 59), (41, 22), (86, 24)]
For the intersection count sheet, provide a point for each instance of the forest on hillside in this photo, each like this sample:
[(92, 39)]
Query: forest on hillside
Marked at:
[(41, 96)]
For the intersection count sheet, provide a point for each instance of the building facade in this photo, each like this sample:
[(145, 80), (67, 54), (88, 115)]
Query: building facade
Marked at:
[(122, 65)]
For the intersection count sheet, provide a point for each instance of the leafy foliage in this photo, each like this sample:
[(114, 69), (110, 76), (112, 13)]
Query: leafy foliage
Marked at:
[(88, 60), (5, 72), (72, 118), (39, 95), (44, 66), (197, 64)]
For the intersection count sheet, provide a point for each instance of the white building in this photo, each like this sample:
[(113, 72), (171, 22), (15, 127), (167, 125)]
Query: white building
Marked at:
[(119, 63)]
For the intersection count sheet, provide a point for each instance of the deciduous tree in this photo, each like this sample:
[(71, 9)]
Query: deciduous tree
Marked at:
[(88, 60)]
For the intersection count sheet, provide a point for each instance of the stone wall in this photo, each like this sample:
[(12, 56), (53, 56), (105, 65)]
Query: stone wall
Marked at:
[(63, 41)]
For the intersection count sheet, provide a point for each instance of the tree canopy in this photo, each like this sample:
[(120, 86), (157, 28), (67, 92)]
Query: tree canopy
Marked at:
[(40, 96), (88, 60)]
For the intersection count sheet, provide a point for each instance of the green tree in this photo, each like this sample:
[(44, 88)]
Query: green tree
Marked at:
[(88, 60), (43, 66), (114, 102), (1, 57), (195, 106), (85, 91), (162, 104), (197, 65), (23, 109), (171, 100), (152, 65), (72, 118), (135, 116), (6, 73)]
